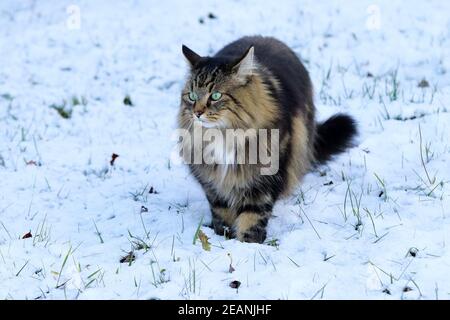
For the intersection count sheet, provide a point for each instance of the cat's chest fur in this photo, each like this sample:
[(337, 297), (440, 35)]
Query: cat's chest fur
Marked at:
[(229, 181), (222, 171)]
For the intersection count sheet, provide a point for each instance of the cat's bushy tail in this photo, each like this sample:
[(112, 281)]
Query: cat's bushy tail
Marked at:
[(334, 136)]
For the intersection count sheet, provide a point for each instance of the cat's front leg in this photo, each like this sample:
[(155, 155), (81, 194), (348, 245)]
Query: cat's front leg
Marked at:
[(222, 220), (250, 225), (222, 217)]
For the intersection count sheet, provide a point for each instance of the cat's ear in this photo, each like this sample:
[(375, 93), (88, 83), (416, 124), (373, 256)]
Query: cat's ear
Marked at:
[(245, 65), (191, 56)]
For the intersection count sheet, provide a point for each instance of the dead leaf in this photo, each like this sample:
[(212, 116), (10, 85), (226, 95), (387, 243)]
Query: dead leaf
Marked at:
[(130, 257), (204, 240), (113, 158), (235, 284), (27, 235), (387, 291), (152, 191), (144, 209), (413, 252), (127, 101), (423, 84)]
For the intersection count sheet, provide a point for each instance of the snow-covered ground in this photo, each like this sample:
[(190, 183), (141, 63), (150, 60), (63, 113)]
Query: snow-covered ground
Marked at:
[(373, 224)]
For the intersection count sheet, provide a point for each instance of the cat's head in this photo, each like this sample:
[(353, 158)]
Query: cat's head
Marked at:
[(211, 94)]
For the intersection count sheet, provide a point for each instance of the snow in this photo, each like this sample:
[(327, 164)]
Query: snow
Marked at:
[(346, 240)]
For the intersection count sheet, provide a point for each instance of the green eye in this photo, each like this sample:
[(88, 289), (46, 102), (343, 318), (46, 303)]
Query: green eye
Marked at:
[(193, 96), (216, 96)]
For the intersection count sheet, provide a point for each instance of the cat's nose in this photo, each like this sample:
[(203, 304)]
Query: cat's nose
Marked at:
[(198, 113)]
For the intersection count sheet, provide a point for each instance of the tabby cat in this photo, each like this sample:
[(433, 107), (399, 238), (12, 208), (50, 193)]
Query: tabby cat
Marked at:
[(256, 83)]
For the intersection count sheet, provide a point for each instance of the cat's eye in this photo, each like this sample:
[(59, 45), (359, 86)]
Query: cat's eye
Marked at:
[(216, 96), (193, 96)]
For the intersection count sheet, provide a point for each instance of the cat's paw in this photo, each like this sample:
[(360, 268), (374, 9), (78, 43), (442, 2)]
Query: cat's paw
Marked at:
[(221, 229), (256, 234), (251, 227)]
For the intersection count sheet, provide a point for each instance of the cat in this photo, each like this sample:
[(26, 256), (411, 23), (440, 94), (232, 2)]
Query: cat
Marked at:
[(256, 83)]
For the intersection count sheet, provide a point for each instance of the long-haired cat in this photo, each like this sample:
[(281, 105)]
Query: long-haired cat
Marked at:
[(256, 83)]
